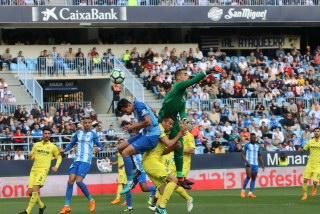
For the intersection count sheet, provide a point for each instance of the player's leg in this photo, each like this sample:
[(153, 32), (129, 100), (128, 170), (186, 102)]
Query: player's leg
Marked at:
[(178, 156), (184, 194), (117, 200), (72, 178), (186, 171), (37, 180), (315, 177), (33, 199), (254, 173), (143, 183), (84, 169), (245, 182), (138, 145), (307, 175), (167, 193), (127, 150), (129, 202)]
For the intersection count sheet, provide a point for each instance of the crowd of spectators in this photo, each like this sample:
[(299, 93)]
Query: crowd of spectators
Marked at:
[(53, 62), (272, 96), (18, 132), (6, 96)]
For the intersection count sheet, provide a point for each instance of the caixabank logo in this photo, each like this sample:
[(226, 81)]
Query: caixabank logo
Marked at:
[(236, 14), (75, 14)]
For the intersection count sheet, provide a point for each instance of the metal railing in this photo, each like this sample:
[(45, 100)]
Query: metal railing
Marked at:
[(54, 66), (10, 108), (33, 87), (48, 105), (248, 104), (7, 145), (131, 82), (162, 2)]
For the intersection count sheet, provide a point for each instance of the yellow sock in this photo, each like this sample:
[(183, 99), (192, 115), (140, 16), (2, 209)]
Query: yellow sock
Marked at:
[(168, 190), (120, 188), (41, 204), (305, 188), (183, 193), (157, 194), (33, 201)]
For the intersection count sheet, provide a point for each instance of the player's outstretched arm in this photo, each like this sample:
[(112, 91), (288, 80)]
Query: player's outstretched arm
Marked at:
[(186, 84)]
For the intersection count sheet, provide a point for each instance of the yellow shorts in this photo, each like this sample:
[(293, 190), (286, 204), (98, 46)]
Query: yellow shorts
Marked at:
[(312, 173), (38, 177), (157, 171), (186, 169), (122, 177)]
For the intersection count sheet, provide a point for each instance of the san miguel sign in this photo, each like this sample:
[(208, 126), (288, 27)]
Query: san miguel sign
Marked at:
[(217, 14), (78, 14)]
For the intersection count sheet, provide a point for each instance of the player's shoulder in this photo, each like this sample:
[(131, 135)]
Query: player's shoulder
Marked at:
[(93, 133), (139, 105)]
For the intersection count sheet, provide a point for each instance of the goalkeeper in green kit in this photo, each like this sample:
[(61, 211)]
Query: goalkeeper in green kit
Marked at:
[(174, 106)]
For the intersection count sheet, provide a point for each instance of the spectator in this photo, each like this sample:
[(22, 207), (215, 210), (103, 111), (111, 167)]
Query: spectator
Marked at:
[(7, 58), (110, 133), (18, 139), (36, 133), (19, 155)]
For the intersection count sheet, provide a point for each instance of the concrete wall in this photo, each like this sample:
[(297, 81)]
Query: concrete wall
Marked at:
[(32, 51), (97, 91)]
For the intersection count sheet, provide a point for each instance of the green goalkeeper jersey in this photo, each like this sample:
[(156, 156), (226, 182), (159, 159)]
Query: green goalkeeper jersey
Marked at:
[(174, 104)]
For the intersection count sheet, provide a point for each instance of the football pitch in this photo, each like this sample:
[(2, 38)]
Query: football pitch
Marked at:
[(268, 201)]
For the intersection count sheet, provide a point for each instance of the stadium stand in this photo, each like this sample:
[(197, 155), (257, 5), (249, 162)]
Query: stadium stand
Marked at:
[(275, 97)]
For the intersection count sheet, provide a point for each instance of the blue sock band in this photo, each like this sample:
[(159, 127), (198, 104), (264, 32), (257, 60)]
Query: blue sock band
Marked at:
[(69, 194), (128, 165), (153, 191), (129, 199), (245, 183), (252, 185), (84, 190)]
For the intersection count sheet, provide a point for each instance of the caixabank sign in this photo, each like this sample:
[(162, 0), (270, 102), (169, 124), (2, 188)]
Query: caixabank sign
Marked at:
[(79, 14)]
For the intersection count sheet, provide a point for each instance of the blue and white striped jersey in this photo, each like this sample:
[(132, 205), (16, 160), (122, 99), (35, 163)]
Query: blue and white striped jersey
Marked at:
[(140, 111), (85, 142), (137, 159), (252, 153)]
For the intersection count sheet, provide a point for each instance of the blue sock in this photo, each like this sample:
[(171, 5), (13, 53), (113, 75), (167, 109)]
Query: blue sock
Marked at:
[(129, 199), (84, 190), (252, 185), (128, 165), (245, 183), (153, 191), (69, 194)]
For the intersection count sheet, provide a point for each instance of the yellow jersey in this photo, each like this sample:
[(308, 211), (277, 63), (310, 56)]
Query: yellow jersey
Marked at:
[(188, 143), (314, 147), (43, 153), (157, 152)]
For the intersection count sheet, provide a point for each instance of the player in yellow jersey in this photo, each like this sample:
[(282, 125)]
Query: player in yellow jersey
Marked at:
[(157, 167), (312, 171), (122, 179), (188, 150), (42, 153)]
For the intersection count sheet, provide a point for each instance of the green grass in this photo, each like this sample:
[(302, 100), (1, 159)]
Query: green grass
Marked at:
[(268, 201)]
